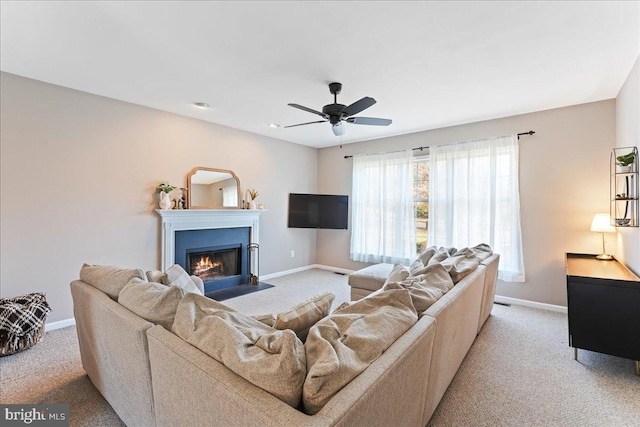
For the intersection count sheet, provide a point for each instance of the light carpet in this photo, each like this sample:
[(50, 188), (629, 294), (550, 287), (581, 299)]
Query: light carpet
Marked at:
[(519, 372)]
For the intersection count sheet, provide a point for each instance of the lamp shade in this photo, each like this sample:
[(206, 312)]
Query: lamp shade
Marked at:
[(602, 224)]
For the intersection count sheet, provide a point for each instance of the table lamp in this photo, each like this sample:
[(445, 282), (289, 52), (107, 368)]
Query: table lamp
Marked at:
[(602, 224)]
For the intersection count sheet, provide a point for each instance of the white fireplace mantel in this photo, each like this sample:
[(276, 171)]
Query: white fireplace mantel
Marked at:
[(203, 219)]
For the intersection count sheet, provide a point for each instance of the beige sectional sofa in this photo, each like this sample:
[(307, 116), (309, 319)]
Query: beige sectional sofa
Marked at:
[(151, 376)]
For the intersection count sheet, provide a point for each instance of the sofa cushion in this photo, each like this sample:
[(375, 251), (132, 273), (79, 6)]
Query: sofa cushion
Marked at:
[(342, 345), (422, 296), (109, 279), (398, 273), (304, 315), (371, 277), (426, 255), (177, 276), (440, 255), (482, 251), (154, 302), (461, 264), (154, 276), (269, 358), (268, 319), (416, 267)]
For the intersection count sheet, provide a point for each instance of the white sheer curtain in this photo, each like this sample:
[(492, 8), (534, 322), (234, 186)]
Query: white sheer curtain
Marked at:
[(474, 198), (382, 218)]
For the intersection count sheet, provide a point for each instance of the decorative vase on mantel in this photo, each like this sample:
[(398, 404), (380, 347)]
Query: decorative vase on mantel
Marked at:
[(252, 204), (165, 201)]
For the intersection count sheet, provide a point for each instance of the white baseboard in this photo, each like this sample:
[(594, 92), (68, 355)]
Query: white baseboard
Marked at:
[(527, 303), (305, 268), (59, 324)]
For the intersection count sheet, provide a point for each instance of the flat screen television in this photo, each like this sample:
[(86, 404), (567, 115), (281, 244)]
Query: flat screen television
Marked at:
[(318, 211)]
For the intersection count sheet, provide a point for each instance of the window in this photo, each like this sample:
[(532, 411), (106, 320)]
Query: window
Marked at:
[(421, 200)]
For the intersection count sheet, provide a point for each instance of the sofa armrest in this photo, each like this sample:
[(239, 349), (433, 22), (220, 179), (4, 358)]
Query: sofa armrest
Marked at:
[(113, 349), (489, 292)]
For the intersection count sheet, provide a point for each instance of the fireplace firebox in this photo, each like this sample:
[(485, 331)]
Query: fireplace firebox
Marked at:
[(217, 256), (214, 263)]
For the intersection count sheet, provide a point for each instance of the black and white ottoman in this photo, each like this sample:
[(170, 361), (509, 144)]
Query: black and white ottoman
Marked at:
[(22, 322)]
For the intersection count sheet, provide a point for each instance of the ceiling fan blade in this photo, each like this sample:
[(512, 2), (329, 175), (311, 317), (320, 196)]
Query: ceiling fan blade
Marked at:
[(308, 123), (309, 110), (358, 106), (369, 121), (338, 129)]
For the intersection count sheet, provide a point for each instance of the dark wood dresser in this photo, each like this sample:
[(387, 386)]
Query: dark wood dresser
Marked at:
[(603, 302)]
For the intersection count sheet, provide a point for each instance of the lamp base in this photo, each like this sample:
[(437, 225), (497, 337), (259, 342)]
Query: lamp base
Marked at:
[(604, 257)]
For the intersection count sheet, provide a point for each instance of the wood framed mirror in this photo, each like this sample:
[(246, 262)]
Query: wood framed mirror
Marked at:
[(209, 188)]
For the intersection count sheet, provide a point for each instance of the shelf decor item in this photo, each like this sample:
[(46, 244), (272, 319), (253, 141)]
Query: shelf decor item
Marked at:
[(625, 162), (602, 224), (163, 191), (623, 190), (253, 194)]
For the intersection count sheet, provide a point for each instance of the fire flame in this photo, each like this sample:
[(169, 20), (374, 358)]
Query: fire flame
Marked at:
[(205, 265)]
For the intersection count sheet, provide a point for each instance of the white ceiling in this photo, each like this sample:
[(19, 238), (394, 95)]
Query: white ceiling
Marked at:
[(428, 64)]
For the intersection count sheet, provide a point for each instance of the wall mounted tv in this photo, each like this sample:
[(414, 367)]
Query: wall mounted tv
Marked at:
[(318, 211)]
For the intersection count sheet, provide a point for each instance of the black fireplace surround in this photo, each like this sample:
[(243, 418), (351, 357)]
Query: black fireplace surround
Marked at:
[(218, 256)]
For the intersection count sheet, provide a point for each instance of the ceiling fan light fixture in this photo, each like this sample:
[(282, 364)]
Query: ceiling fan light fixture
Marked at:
[(338, 129), (274, 125), (202, 105)]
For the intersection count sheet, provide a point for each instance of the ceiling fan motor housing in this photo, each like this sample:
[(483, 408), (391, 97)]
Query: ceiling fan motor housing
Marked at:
[(334, 111)]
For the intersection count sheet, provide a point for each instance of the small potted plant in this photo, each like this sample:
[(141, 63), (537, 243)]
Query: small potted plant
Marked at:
[(625, 162), (163, 190), (253, 193)]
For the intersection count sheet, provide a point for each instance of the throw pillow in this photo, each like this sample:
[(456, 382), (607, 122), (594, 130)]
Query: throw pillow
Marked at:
[(154, 302), (267, 319), (176, 276), (416, 267), (109, 279), (342, 306), (461, 264), (482, 251), (154, 276), (304, 315), (440, 255), (427, 254), (271, 359), (422, 296), (342, 345), (398, 273), (435, 276)]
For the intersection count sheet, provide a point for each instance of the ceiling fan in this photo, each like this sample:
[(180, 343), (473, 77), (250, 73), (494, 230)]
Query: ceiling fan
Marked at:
[(336, 113)]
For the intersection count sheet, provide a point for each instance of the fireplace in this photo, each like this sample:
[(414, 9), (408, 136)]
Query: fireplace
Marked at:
[(214, 263), (204, 230), (218, 256)]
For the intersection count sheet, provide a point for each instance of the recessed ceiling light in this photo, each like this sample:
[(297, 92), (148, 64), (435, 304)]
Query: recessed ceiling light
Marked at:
[(202, 105), (274, 125)]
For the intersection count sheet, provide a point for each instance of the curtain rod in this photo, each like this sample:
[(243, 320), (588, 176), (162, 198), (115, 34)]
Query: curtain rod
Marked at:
[(531, 132)]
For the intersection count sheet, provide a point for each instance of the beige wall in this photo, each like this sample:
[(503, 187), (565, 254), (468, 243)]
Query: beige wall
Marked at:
[(78, 173), (563, 182), (628, 133)]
